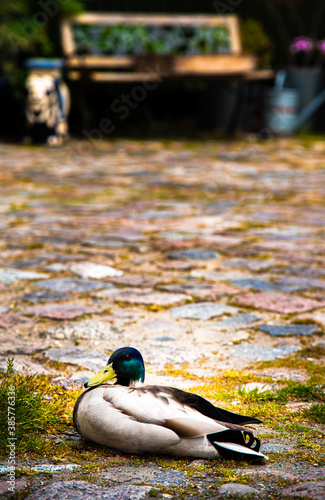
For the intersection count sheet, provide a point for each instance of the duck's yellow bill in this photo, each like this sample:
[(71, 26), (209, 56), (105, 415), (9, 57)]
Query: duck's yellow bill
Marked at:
[(107, 373)]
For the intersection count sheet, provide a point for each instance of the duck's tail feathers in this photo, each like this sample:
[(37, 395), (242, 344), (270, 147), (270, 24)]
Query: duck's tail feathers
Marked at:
[(236, 445), (235, 418)]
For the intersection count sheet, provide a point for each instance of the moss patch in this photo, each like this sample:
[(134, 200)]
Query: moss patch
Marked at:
[(32, 409)]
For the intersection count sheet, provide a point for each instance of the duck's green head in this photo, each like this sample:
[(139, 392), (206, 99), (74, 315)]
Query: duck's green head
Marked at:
[(125, 364)]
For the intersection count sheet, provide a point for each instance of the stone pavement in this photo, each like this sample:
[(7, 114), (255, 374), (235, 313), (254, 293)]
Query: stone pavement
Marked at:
[(205, 253)]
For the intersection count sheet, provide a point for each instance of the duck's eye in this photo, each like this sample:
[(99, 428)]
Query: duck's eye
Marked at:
[(127, 356), (105, 371)]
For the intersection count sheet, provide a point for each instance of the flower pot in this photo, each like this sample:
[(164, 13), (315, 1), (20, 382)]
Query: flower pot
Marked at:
[(309, 82), (281, 109)]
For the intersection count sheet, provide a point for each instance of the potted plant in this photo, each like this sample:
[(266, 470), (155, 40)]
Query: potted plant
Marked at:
[(305, 50), (159, 47), (306, 73), (256, 41), (209, 40), (115, 39)]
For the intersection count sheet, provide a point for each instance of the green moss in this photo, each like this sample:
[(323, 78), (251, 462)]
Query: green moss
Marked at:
[(18, 206), (153, 493), (254, 395), (17, 222), (35, 407), (35, 245), (316, 413), (56, 365), (179, 372), (157, 308), (300, 361), (314, 351), (301, 392), (125, 256)]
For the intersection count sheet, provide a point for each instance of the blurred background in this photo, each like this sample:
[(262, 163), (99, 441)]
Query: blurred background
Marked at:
[(31, 28)]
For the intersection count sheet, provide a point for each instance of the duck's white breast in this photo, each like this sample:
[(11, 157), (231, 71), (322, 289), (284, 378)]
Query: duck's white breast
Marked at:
[(99, 420)]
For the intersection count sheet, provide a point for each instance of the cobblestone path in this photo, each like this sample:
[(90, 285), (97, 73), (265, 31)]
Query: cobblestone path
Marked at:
[(206, 256)]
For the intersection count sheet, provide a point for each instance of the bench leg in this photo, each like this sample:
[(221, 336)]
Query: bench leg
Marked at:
[(240, 92), (81, 98)]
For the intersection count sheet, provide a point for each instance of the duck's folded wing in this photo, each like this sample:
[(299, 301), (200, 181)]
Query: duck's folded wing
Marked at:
[(205, 407)]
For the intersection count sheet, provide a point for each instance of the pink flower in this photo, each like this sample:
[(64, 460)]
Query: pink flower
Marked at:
[(301, 44)]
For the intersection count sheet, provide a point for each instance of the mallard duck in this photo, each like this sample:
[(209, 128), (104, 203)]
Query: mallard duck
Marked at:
[(136, 418)]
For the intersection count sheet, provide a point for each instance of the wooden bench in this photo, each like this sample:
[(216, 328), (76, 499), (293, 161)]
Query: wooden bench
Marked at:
[(118, 68), (231, 66)]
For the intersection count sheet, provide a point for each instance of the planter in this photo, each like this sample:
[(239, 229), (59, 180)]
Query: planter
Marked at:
[(188, 64), (281, 109), (309, 82), (161, 63), (214, 64)]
